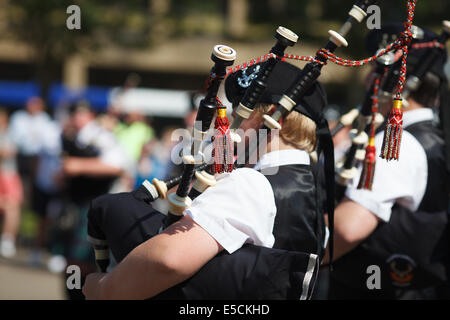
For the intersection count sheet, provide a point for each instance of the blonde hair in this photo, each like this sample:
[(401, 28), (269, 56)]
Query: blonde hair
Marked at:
[(297, 130)]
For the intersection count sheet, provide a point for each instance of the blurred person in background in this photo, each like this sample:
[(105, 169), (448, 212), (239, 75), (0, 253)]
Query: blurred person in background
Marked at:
[(155, 159), (11, 193), (25, 129), (189, 121), (47, 191), (155, 162), (133, 133), (93, 160), (110, 119)]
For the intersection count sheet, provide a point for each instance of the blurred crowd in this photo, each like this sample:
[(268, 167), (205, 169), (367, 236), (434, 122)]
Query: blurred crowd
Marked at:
[(54, 165)]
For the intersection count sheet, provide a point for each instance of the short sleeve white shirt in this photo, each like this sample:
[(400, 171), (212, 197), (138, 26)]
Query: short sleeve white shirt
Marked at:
[(403, 181), (240, 208), (26, 131)]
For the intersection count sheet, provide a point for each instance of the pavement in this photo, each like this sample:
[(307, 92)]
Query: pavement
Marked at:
[(20, 280)]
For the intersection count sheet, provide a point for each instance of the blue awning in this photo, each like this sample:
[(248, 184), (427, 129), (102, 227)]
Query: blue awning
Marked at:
[(148, 101), (16, 93), (97, 96)]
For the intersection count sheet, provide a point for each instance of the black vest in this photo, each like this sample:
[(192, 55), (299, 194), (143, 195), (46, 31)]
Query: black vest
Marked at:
[(299, 224), (413, 248), (286, 271)]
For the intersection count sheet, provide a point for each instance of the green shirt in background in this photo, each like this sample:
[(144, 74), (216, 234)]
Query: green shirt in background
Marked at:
[(132, 137)]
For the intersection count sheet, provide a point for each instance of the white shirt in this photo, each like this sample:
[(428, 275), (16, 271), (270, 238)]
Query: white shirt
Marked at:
[(111, 153), (26, 131), (403, 181), (240, 208)]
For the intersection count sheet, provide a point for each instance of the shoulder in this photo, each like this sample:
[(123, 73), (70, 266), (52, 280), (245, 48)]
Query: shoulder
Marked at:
[(243, 183), (412, 153), (98, 135), (246, 176), (44, 116), (18, 116), (403, 181), (247, 172)]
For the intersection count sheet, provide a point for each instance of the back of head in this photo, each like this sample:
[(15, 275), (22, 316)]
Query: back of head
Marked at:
[(428, 92), (299, 127), (35, 105), (81, 114)]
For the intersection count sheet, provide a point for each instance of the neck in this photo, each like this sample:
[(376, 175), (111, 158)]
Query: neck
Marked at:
[(413, 105), (276, 143)]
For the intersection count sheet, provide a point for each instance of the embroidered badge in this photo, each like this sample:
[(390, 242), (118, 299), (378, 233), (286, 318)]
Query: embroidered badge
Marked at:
[(246, 79), (401, 269)]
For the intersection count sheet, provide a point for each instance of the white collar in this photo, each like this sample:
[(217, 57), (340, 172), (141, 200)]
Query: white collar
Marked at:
[(417, 115), (282, 158)]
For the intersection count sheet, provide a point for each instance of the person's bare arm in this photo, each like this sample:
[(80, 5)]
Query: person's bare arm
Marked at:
[(352, 224), (75, 166), (157, 264), (7, 153)]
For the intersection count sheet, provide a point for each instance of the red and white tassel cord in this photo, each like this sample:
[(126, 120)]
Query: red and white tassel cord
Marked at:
[(394, 127), (393, 132), (366, 180), (368, 171), (223, 147)]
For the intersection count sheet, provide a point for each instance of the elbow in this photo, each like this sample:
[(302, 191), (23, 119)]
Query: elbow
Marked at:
[(168, 261), (168, 264), (347, 236), (113, 171), (349, 240)]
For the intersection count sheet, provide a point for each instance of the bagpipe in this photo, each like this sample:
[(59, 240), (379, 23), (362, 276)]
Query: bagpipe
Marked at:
[(367, 119), (120, 222), (116, 220)]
